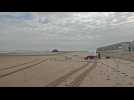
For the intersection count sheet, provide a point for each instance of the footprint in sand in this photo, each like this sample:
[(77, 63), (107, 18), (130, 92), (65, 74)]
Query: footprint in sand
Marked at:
[(118, 71), (130, 83), (123, 73), (132, 77), (126, 75), (108, 77), (117, 84)]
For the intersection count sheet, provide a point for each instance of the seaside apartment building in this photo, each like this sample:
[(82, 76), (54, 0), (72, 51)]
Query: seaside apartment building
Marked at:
[(118, 49)]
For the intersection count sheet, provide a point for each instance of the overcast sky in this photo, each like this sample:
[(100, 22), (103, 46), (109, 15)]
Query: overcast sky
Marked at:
[(64, 30)]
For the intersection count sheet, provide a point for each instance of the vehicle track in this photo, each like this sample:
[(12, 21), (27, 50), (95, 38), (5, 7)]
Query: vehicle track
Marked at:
[(23, 68), (77, 81), (18, 65), (66, 76)]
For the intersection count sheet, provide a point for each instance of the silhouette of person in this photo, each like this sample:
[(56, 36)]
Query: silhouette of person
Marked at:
[(99, 55), (129, 48)]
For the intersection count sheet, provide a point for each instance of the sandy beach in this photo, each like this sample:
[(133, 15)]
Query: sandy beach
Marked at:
[(65, 70)]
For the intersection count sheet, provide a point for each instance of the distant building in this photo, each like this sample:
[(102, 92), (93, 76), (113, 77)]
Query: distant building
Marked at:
[(122, 46), (132, 45)]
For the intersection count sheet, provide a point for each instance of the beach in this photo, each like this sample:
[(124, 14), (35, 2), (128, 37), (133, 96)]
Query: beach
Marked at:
[(64, 70)]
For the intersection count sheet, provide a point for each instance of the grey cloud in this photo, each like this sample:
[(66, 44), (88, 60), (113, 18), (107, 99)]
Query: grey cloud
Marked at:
[(65, 30)]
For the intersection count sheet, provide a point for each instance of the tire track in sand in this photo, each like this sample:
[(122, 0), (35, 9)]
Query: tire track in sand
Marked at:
[(23, 68), (77, 81), (18, 65), (66, 76)]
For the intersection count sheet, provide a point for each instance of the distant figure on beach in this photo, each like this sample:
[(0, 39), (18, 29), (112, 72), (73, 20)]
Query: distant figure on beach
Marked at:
[(99, 55), (129, 48)]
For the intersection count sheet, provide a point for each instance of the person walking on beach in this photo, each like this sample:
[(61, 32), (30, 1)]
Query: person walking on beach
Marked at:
[(98, 55)]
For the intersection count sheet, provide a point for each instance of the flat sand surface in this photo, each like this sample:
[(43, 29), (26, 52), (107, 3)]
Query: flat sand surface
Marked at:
[(65, 70)]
